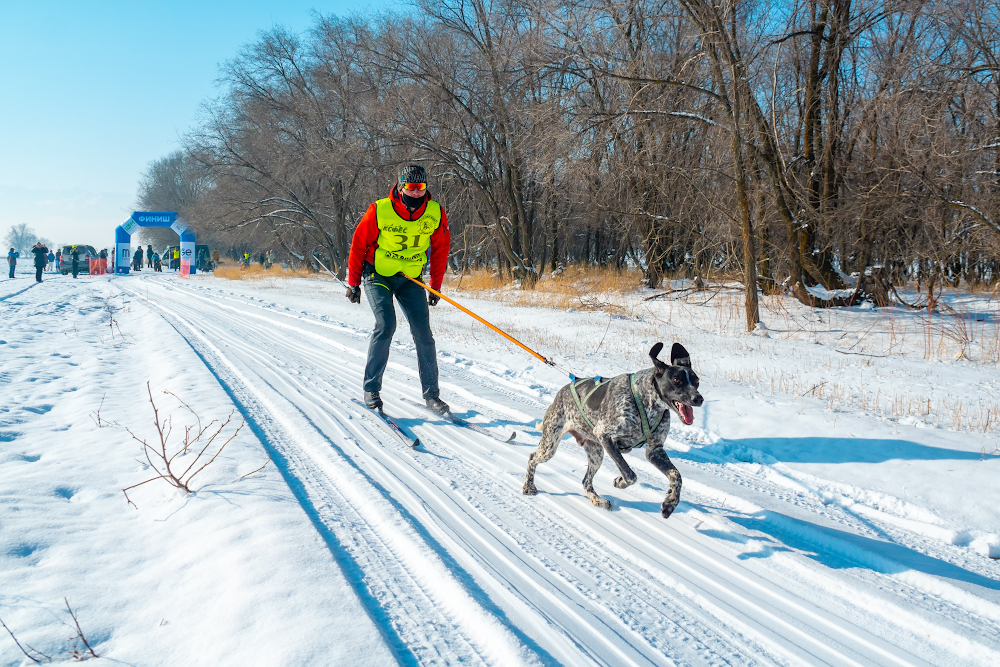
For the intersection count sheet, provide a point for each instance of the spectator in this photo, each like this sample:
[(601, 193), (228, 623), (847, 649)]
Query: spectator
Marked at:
[(157, 266), (74, 255), (58, 260), (41, 256), (262, 259), (12, 260), (137, 259), (51, 260), (149, 256), (176, 263), (102, 261)]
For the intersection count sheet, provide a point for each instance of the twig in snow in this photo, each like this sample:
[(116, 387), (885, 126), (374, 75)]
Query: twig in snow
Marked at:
[(77, 654), (605, 334), (23, 650), (253, 471), (163, 455), (101, 423), (812, 389), (862, 354)]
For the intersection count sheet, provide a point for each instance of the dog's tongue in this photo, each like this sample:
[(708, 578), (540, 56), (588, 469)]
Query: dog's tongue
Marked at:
[(686, 412)]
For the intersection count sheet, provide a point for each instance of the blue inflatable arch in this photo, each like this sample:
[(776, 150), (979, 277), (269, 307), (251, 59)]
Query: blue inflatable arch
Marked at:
[(123, 237)]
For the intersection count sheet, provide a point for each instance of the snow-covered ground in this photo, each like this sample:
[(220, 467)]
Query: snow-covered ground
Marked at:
[(839, 506)]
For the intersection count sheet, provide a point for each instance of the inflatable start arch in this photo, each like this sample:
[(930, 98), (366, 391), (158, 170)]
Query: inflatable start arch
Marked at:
[(123, 238)]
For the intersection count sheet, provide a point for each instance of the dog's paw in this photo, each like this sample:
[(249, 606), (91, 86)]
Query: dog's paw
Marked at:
[(622, 483), (603, 503), (666, 509), (529, 490)]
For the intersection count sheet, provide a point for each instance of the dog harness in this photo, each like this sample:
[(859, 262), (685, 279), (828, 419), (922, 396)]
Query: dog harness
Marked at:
[(647, 428)]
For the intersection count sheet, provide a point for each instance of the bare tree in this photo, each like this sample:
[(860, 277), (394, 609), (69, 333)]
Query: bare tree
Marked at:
[(21, 238), (794, 145)]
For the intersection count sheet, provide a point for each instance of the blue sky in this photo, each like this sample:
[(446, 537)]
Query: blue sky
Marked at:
[(92, 91)]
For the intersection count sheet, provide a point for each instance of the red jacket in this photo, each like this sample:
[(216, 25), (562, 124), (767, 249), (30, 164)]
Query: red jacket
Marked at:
[(365, 241)]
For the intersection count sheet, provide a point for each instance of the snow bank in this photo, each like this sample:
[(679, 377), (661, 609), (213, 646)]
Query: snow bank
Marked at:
[(232, 574)]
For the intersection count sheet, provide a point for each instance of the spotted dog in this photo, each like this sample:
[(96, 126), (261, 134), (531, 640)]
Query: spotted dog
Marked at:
[(614, 415)]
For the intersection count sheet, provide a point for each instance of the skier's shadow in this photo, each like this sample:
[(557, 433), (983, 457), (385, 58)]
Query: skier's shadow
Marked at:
[(407, 425), (521, 427)]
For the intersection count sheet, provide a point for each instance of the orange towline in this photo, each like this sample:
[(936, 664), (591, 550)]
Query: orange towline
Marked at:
[(472, 314)]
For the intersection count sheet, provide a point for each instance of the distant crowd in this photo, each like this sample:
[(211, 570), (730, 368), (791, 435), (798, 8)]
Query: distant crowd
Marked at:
[(84, 259), (42, 255), (266, 259), (72, 261)]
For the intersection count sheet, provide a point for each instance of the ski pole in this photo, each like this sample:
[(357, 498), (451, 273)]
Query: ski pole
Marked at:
[(330, 272), (502, 333)]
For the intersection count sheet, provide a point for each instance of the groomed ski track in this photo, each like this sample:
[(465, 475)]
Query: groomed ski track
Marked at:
[(455, 565)]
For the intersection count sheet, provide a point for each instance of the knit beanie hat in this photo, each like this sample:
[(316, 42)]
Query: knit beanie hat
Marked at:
[(412, 173)]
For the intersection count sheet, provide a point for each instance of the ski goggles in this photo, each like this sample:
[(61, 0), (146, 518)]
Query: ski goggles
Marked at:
[(415, 187)]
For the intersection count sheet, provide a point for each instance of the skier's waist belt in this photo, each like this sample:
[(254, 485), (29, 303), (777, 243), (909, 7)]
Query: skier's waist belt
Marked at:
[(647, 427)]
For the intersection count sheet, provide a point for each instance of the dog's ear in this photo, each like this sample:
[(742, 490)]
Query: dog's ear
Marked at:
[(679, 356), (653, 354)]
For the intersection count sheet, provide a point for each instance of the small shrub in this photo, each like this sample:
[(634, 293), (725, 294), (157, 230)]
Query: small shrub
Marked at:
[(163, 457)]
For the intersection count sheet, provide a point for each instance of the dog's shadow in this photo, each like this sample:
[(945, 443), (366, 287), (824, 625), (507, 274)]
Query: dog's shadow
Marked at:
[(839, 549), (826, 450), (646, 507)]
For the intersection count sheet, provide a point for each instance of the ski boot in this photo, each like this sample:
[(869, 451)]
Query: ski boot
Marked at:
[(373, 401), (438, 406)]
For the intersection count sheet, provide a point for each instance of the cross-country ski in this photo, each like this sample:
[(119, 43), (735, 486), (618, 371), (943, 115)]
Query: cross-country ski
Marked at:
[(458, 421), (393, 426)]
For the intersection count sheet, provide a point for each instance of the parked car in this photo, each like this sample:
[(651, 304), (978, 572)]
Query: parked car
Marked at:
[(87, 253)]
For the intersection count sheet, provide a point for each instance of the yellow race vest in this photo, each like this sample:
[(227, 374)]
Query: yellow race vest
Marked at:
[(402, 243)]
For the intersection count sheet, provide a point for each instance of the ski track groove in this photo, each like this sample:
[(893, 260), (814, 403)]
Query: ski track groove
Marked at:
[(625, 619), (385, 571), (690, 618)]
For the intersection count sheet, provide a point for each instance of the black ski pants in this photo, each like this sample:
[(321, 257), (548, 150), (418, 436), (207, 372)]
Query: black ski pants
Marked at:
[(380, 291), (38, 272)]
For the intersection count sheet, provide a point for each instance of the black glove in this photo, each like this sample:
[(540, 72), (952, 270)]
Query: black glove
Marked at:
[(432, 299), (354, 294)]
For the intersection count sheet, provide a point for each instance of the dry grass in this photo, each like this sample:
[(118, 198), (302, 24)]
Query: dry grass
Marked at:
[(580, 287), (851, 379), (477, 280), (574, 280), (257, 272), (972, 415)]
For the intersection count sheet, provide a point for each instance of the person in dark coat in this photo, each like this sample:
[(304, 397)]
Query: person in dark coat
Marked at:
[(74, 255), (137, 259), (149, 256), (41, 254), (12, 260)]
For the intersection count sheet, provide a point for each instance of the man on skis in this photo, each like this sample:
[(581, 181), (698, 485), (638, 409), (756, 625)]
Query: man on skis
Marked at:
[(393, 240)]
